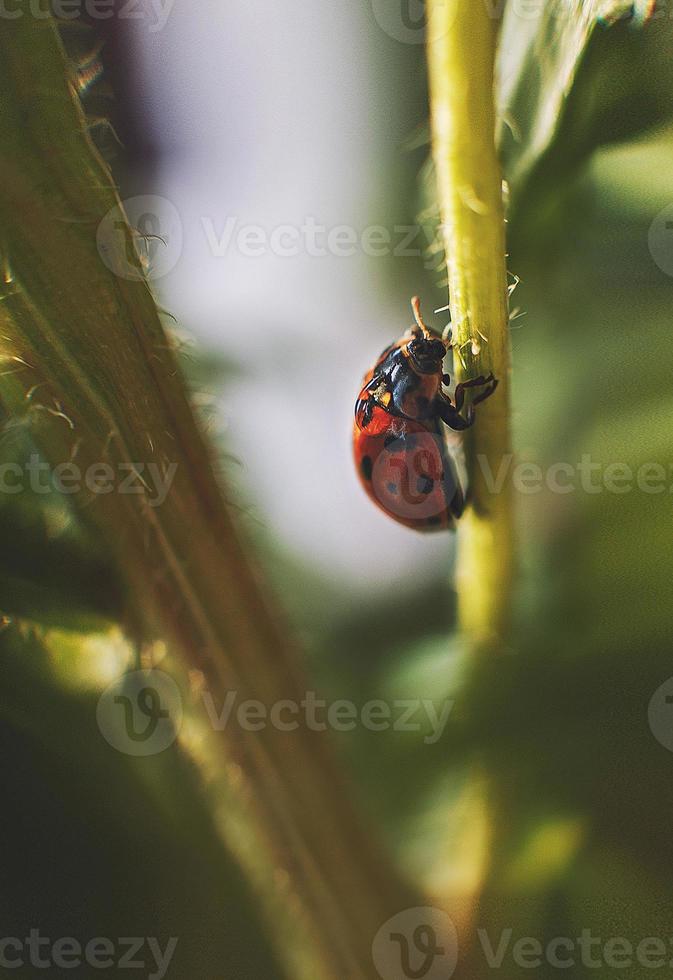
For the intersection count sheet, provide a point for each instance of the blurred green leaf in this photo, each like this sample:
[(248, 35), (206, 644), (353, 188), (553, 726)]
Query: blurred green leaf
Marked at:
[(562, 723), (51, 570), (574, 76), (98, 843)]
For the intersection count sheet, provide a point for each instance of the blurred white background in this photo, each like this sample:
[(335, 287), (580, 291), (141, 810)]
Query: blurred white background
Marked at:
[(267, 115)]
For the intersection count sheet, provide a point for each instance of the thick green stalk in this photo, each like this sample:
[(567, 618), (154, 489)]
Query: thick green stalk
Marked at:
[(461, 49)]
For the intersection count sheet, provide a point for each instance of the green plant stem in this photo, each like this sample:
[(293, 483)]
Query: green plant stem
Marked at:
[(461, 50), (87, 364)]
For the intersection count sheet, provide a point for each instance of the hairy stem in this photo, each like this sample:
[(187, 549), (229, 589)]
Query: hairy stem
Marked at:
[(461, 49)]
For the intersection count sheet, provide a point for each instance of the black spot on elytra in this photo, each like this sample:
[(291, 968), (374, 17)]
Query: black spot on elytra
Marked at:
[(392, 488), (366, 467), (434, 521), (425, 484)]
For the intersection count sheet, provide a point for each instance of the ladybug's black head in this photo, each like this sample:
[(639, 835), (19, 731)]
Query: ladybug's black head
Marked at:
[(427, 354)]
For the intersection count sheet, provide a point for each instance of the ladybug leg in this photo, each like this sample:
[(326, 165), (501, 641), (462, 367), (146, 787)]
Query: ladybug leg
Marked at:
[(451, 414), (365, 408), (457, 505), (459, 396)]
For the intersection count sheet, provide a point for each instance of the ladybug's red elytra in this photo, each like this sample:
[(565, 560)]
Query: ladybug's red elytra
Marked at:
[(400, 452)]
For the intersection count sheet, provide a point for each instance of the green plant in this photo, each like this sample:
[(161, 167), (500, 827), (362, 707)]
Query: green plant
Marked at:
[(544, 809)]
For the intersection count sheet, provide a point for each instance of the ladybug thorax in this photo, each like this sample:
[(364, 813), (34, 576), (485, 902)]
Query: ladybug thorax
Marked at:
[(409, 381)]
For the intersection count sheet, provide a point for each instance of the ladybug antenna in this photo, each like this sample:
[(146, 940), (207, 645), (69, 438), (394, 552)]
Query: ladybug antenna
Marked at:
[(416, 307)]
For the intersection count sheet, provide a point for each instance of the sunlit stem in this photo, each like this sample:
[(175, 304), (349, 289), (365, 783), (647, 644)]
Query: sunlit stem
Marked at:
[(461, 48)]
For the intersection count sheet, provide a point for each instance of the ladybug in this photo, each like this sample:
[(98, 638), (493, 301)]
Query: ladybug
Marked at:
[(400, 452)]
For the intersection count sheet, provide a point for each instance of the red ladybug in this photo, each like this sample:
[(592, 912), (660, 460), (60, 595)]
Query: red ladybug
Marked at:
[(398, 438)]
